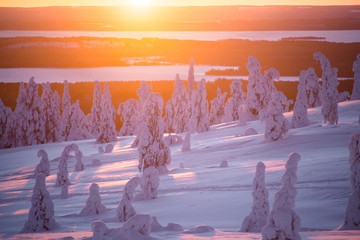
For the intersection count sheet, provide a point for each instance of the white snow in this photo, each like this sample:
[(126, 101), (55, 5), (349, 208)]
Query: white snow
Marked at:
[(201, 193)]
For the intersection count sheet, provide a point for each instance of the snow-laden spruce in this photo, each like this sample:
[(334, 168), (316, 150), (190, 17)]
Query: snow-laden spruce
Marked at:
[(199, 109), (313, 88), (283, 222), (150, 182), (41, 214), (234, 102), (77, 130), (66, 112), (52, 117), (186, 147), (5, 113), (299, 117), (107, 126), (125, 210), (152, 149), (257, 218), (62, 177), (93, 203), (191, 76), (352, 212), (217, 110), (129, 117), (96, 110), (259, 89), (356, 87), (177, 112), (79, 165), (44, 164), (276, 125), (329, 90)]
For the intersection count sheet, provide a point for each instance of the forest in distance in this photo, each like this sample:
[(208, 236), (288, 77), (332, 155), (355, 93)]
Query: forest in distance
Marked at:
[(122, 91), (288, 57)]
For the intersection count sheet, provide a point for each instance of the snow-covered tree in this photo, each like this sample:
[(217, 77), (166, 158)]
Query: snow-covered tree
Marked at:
[(191, 76), (51, 112), (96, 110), (77, 130), (276, 125), (129, 116), (41, 214), (62, 175), (177, 112), (44, 165), (93, 203), (64, 192), (79, 165), (186, 144), (125, 210), (257, 218), (217, 110), (352, 212), (283, 222), (259, 89), (5, 113), (150, 181), (299, 118), (137, 227), (238, 97), (356, 87), (107, 126), (66, 112), (329, 90), (313, 88), (152, 149), (200, 108)]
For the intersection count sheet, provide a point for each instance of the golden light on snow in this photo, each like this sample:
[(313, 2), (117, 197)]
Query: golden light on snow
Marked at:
[(184, 178), (117, 166), (271, 166), (20, 212)]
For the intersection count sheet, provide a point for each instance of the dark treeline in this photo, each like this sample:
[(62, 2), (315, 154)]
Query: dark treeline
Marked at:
[(288, 57), (122, 91)]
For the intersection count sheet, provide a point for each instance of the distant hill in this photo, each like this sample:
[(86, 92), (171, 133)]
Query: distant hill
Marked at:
[(195, 18)]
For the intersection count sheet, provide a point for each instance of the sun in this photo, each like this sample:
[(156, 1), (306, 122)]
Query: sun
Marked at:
[(140, 2)]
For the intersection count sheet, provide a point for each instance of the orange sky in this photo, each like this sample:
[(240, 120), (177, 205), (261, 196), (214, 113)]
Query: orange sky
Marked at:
[(34, 3)]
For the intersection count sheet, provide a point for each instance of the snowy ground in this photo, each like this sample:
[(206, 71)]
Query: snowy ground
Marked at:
[(201, 193)]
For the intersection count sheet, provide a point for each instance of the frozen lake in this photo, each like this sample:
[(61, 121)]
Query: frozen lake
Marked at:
[(328, 35), (131, 73)]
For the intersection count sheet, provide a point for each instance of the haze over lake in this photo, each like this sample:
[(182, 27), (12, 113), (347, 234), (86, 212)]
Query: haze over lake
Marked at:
[(345, 36)]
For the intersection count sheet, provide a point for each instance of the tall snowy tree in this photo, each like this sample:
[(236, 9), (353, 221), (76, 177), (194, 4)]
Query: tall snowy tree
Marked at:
[(257, 218), (129, 116), (63, 174), (191, 76), (177, 112), (77, 130), (352, 212), (152, 149), (96, 110), (329, 90), (283, 222), (44, 165), (66, 112), (51, 112), (93, 203), (5, 113), (217, 110), (259, 89), (107, 127), (276, 125), (200, 109), (79, 165), (125, 210), (41, 215), (356, 87), (234, 102), (313, 88), (299, 118)]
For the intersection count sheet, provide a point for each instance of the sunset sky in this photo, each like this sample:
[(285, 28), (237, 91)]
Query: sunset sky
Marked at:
[(35, 3)]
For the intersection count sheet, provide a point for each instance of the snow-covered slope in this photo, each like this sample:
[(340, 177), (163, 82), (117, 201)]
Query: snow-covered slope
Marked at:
[(201, 192)]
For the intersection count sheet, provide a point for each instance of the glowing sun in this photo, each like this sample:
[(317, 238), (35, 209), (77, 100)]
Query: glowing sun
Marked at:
[(140, 2)]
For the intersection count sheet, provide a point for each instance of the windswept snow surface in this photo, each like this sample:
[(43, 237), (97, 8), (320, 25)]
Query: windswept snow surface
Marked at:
[(201, 193)]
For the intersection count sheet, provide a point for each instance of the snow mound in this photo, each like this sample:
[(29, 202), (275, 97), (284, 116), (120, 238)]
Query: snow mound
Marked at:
[(200, 229), (93, 203), (250, 131), (172, 227), (224, 164), (96, 163)]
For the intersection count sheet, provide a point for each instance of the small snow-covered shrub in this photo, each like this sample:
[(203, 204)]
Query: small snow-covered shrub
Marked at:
[(41, 214), (157, 227), (99, 229), (109, 148), (283, 222), (93, 203), (150, 181), (44, 165), (101, 149), (200, 229), (79, 165), (173, 139), (140, 223), (96, 163), (352, 212), (224, 164), (257, 218), (186, 144), (250, 131)]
